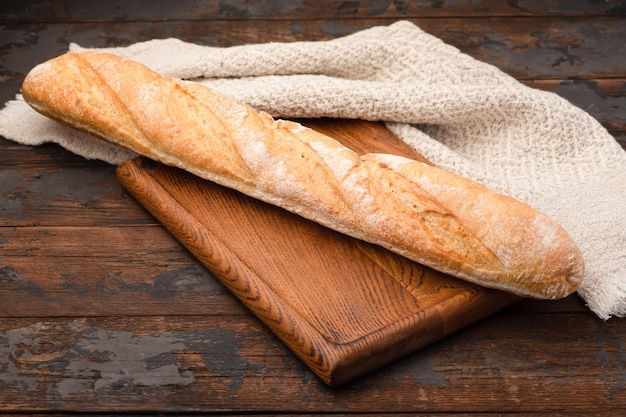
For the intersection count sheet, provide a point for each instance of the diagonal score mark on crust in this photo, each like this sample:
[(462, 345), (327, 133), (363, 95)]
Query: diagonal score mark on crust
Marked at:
[(422, 215)]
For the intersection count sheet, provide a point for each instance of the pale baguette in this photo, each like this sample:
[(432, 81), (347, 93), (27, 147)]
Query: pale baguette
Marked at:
[(429, 215)]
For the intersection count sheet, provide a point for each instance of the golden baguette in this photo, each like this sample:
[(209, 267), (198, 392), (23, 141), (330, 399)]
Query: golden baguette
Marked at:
[(429, 215)]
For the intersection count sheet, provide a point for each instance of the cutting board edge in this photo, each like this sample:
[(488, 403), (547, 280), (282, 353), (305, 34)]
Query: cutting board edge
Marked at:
[(335, 363)]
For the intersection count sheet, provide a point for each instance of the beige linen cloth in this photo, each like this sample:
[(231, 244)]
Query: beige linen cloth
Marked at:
[(463, 115)]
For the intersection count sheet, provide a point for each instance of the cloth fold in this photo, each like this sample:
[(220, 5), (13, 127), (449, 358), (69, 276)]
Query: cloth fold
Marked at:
[(462, 114)]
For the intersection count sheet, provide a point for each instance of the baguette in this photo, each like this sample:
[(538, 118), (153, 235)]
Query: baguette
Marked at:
[(429, 215)]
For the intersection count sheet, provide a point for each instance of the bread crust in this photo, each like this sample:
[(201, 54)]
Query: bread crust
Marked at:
[(424, 213)]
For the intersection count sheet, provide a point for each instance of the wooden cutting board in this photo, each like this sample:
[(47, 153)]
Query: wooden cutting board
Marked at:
[(344, 307)]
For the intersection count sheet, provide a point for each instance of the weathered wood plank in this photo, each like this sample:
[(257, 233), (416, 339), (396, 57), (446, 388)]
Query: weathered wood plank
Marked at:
[(135, 10), (61, 271), (571, 304), (9, 88), (525, 48), (49, 186), (90, 271), (546, 363)]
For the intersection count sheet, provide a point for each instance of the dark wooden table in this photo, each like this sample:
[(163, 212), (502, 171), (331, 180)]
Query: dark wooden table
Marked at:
[(102, 311)]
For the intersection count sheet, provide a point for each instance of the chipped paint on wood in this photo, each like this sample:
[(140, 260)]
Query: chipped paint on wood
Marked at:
[(112, 360)]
